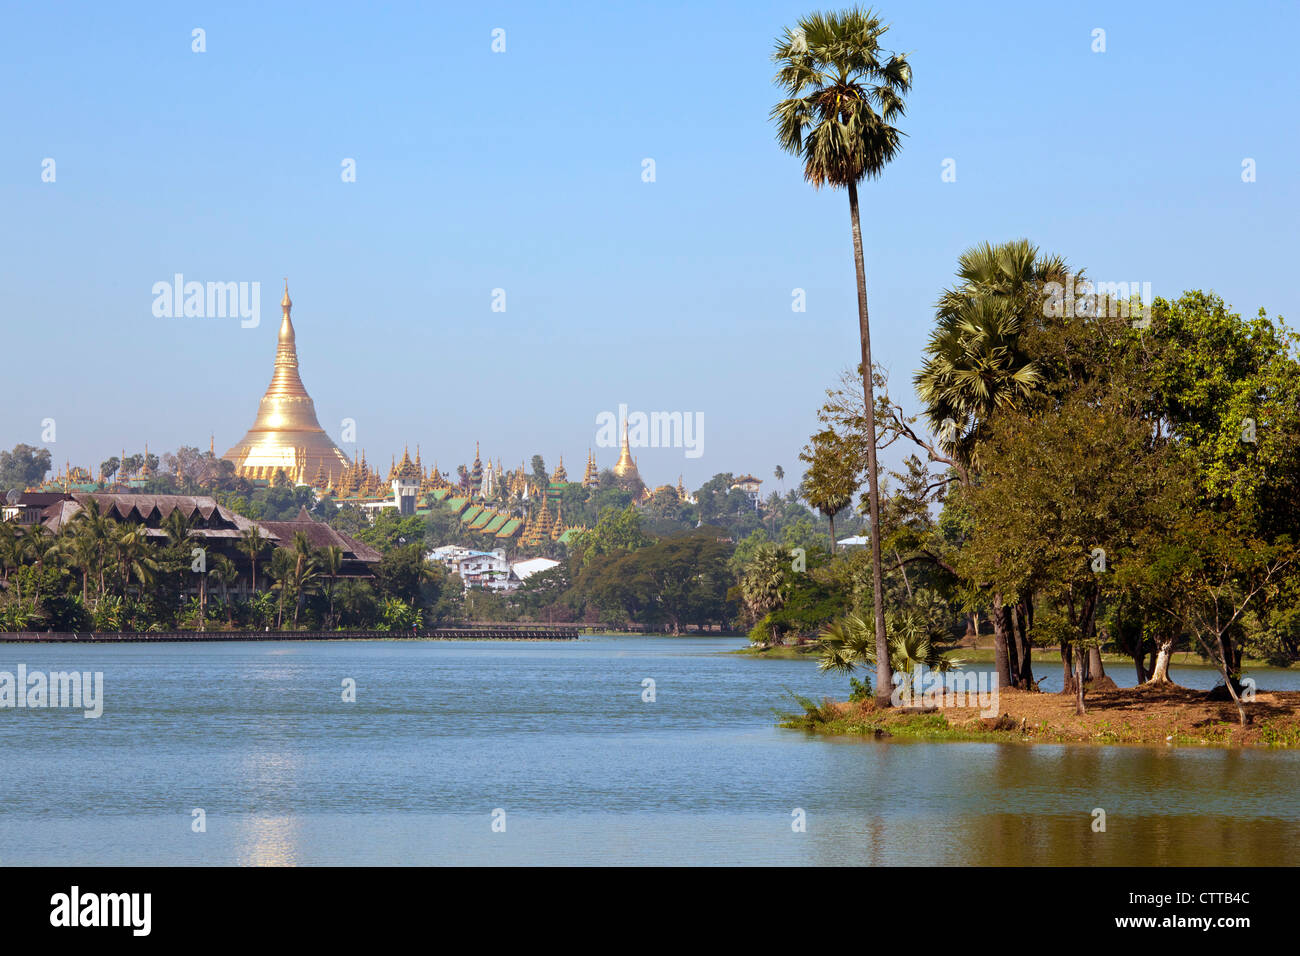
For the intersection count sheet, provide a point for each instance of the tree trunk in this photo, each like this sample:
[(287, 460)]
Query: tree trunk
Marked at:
[(831, 519), (1096, 669), (1013, 645), (1139, 666), (1225, 656), (1087, 631), (884, 681), (1027, 643), (903, 567), (1067, 668), (1079, 682), (1164, 650), (1001, 660)]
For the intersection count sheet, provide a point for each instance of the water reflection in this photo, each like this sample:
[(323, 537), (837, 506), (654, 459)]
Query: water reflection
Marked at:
[(267, 841)]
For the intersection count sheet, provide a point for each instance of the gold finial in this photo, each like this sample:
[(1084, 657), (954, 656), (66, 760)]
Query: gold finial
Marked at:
[(286, 303)]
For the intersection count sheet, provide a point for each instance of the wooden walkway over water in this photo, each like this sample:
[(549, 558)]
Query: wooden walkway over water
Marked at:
[(492, 632)]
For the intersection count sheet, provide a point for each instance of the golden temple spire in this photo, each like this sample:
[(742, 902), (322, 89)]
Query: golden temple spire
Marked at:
[(286, 434), (626, 466)]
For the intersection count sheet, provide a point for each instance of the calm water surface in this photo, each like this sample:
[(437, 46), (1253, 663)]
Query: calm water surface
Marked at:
[(557, 736)]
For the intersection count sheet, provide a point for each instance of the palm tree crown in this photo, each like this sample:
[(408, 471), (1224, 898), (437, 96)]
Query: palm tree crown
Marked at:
[(976, 360), (845, 94)]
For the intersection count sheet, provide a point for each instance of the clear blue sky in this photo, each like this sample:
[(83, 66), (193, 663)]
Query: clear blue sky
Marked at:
[(522, 171)]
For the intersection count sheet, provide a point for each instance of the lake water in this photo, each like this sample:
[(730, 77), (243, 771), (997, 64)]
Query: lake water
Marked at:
[(557, 736)]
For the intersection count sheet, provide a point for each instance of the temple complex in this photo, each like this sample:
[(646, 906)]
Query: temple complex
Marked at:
[(286, 445), (286, 435)]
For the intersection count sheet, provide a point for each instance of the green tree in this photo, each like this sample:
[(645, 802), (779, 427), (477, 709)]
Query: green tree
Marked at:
[(615, 531), (22, 468), (832, 479)]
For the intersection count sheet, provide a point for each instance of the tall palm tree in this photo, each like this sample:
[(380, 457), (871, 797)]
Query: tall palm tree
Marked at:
[(8, 548), (134, 556), (976, 364), (252, 543), (226, 573), (38, 546), (331, 562), (280, 570), (81, 550), (845, 94), (304, 571), (98, 528), (180, 533)]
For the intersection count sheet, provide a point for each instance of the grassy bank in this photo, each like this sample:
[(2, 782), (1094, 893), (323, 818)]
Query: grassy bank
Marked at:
[(1152, 716)]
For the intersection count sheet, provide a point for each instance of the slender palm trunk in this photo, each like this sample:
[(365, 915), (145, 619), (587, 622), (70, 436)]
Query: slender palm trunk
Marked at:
[(884, 678), (831, 518)]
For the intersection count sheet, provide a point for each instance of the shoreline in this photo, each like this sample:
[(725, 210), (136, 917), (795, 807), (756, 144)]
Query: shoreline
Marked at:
[(1169, 715), (984, 655)]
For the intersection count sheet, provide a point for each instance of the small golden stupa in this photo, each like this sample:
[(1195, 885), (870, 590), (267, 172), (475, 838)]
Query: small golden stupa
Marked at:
[(286, 435), (625, 467)]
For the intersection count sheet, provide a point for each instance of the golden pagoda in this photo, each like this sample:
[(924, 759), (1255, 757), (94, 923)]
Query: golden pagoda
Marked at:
[(625, 468), (560, 474), (286, 435), (592, 477), (537, 529)]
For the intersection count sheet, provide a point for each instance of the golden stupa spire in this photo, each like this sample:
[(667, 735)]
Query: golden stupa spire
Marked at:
[(286, 434), (626, 466)]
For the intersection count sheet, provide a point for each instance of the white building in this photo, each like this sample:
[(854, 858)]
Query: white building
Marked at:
[(477, 569), (749, 485), (523, 570)]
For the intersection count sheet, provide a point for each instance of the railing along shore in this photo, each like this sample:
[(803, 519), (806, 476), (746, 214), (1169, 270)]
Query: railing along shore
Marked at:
[(494, 632)]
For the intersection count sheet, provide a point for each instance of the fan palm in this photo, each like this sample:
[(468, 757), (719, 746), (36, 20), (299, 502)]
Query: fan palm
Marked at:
[(976, 361), (914, 643), (844, 95), (765, 583), (975, 365)]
